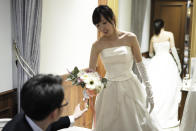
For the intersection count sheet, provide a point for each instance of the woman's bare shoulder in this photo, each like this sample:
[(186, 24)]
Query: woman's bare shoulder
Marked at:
[(130, 37), (169, 33), (153, 38), (97, 45), (127, 34)]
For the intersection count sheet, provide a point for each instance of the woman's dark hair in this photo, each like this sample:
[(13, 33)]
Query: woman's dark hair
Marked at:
[(158, 25), (106, 12), (41, 95)]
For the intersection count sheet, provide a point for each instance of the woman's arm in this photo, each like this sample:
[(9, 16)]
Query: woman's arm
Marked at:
[(142, 70), (93, 57), (135, 49), (174, 52), (171, 40), (151, 50)]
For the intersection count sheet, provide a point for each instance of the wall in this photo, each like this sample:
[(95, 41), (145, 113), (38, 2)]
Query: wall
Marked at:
[(5, 46), (67, 35)]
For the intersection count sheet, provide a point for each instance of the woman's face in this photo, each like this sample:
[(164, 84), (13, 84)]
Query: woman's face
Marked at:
[(105, 27)]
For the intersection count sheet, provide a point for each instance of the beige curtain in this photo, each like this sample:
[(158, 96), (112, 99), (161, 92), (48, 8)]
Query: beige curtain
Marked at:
[(113, 4)]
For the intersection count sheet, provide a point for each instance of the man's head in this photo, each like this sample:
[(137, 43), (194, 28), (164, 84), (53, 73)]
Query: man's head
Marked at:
[(41, 96)]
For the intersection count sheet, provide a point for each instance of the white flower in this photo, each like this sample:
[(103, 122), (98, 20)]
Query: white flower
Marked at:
[(94, 74), (85, 77), (94, 83)]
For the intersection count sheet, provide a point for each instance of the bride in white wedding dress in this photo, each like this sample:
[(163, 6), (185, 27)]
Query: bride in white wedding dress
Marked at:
[(121, 106), (164, 74)]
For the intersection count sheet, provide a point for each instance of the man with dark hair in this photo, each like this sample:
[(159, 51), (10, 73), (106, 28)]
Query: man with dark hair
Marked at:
[(42, 102)]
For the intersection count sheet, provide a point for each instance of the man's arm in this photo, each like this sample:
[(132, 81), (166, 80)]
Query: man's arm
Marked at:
[(63, 122), (67, 121)]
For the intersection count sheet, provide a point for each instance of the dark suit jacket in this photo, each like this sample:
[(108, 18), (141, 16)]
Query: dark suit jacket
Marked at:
[(19, 123)]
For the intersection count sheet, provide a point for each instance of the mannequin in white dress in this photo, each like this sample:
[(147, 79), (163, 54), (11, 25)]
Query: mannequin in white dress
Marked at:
[(122, 104), (164, 75)]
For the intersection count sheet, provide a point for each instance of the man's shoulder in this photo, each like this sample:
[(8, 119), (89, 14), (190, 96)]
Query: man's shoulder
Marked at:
[(17, 123)]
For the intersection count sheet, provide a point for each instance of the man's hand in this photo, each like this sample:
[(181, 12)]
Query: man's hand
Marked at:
[(78, 112)]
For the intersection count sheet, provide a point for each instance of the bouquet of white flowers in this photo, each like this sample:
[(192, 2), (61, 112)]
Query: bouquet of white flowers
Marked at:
[(91, 81), (87, 79)]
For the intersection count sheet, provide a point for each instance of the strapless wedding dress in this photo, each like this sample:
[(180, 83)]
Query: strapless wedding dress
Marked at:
[(121, 105)]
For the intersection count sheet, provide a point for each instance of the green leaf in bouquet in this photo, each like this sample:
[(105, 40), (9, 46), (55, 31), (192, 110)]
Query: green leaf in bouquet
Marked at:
[(82, 84), (70, 77), (75, 71), (74, 82), (104, 80)]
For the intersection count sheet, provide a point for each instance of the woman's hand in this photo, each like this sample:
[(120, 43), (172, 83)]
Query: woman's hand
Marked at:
[(91, 93)]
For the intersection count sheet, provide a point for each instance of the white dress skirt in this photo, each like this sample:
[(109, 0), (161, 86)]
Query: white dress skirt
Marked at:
[(166, 85)]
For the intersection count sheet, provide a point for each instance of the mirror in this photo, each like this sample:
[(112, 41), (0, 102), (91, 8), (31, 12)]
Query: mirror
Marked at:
[(177, 15)]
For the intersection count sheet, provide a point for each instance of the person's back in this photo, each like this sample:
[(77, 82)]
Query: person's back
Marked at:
[(164, 39), (163, 36)]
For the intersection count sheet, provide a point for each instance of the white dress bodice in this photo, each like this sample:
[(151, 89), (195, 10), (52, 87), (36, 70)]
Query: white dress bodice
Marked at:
[(161, 47), (118, 62)]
